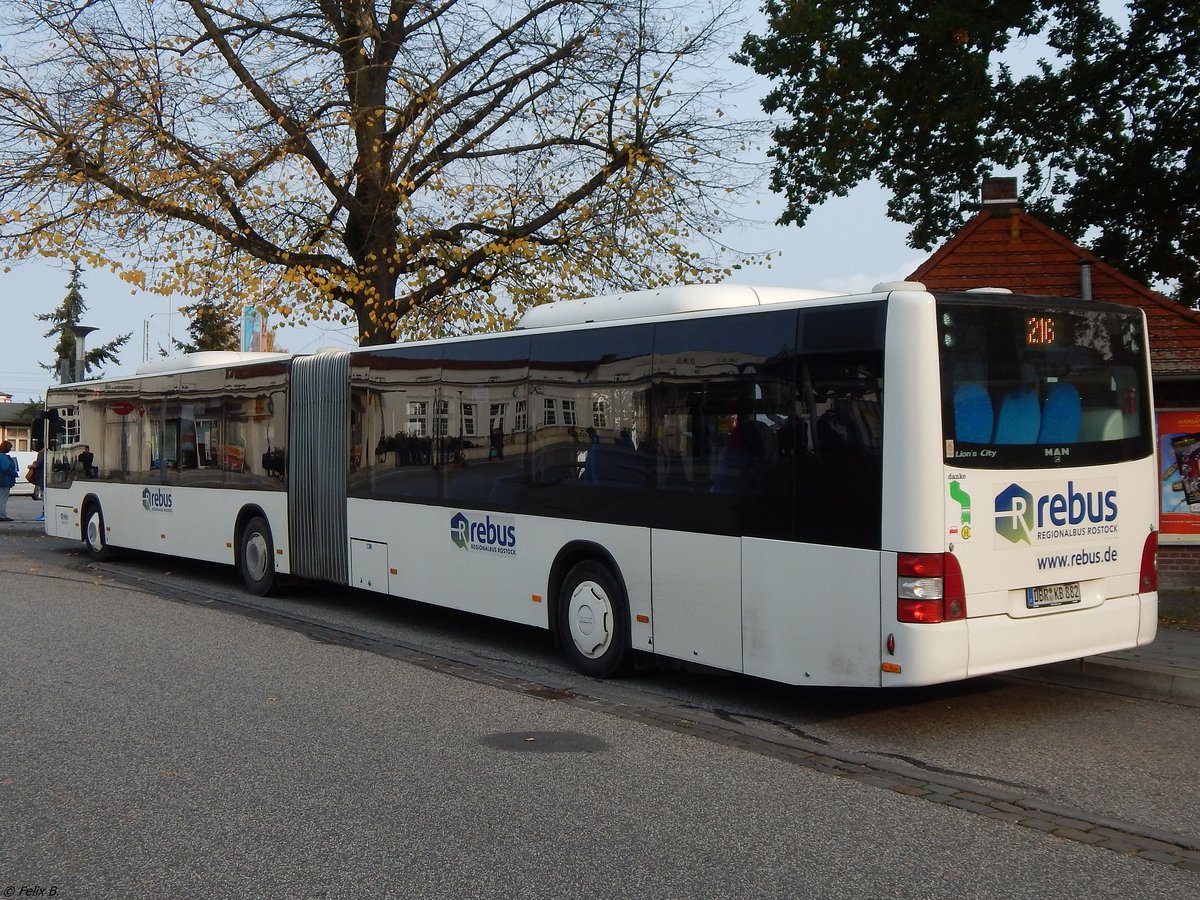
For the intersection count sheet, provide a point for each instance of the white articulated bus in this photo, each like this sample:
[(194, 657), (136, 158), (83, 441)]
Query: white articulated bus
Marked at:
[(895, 488)]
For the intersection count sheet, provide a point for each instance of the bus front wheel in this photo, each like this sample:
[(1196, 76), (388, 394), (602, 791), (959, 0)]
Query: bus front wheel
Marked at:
[(93, 533), (593, 620), (257, 558)]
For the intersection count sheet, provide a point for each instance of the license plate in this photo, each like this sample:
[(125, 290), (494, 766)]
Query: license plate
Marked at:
[(1052, 595)]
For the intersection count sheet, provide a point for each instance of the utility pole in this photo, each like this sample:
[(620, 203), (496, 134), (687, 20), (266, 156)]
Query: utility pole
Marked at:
[(80, 333)]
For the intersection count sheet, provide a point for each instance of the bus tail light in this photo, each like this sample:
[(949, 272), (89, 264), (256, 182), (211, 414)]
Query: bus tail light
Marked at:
[(929, 588), (1148, 582)]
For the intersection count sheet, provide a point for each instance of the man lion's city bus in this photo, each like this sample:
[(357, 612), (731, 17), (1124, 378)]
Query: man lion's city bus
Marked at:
[(895, 488)]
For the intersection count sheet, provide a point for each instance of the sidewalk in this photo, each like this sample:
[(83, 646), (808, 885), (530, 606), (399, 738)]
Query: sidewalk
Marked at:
[(1168, 669)]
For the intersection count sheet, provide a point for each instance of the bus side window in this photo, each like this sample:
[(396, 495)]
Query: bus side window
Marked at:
[(742, 457)]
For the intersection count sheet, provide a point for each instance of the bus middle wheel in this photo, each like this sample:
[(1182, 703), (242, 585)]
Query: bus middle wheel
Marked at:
[(257, 557)]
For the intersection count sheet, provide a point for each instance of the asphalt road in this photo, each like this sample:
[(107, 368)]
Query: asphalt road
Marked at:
[(159, 740)]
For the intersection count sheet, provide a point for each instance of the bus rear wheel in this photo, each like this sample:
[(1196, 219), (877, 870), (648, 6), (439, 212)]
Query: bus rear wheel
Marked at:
[(593, 620), (94, 535), (256, 561)]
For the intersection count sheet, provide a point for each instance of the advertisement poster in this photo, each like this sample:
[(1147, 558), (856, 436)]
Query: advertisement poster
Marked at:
[(1179, 475), (255, 337)]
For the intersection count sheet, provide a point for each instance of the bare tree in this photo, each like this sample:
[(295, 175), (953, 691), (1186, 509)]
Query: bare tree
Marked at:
[(406, 165)]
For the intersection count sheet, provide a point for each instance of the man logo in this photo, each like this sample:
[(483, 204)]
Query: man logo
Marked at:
[(459, 530), (1014, 514)]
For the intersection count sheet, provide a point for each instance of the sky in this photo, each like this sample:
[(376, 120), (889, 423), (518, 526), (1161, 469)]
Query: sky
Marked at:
[(847, 245)]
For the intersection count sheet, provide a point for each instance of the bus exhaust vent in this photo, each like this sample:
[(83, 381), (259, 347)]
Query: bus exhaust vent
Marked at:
[(662, 302)]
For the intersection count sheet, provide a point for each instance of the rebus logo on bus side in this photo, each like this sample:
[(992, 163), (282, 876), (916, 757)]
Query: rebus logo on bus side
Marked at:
[(158, 500), (496, 534)]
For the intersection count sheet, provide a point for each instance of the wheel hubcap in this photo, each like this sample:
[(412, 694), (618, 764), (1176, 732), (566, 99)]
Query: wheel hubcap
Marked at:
[(256, 556), (95, 535), (590, 615)]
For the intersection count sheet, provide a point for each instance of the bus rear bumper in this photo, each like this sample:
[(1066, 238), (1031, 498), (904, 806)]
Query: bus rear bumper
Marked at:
[(1002, 643), (951, 651)]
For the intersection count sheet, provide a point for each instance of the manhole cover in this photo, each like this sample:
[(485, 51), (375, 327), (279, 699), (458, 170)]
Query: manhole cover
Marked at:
[(544, 742)]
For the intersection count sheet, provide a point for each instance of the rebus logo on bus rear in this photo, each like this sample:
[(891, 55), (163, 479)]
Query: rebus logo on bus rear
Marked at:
[(1074, 512), (494, 534), (158, 500)]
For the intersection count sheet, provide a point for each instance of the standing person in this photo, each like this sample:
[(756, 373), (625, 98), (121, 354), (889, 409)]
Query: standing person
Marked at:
[(34, 475), (8, 477)]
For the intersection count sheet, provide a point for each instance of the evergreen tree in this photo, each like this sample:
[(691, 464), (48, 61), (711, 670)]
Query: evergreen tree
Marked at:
[(212, 328), (69, 312)]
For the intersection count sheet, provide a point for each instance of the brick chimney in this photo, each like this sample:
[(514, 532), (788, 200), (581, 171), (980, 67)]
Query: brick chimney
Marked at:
[(999, 195)]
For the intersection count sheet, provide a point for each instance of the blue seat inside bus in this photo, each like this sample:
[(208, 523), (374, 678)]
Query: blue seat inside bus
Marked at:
[(1061, 415), (1020, 417), (972, 414)]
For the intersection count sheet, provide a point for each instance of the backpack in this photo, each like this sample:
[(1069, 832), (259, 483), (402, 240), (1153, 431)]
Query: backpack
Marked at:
[(8, 470)]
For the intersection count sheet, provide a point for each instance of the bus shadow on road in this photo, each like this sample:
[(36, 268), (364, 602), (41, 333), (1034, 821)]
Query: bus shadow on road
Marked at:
[(352, 617)]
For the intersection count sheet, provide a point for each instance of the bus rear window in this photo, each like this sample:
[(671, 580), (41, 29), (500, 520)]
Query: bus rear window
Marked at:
[(1034, 383)]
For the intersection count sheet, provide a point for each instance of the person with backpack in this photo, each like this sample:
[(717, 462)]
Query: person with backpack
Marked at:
[(8, 477), (33, 474), (36, 475)]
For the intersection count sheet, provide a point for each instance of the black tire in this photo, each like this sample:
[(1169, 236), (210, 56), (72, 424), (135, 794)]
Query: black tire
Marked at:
[(256, 557), (94, 535), (593, 620)]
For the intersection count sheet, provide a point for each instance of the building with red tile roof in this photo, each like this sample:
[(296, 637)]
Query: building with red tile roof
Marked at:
[(1004, 247)]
